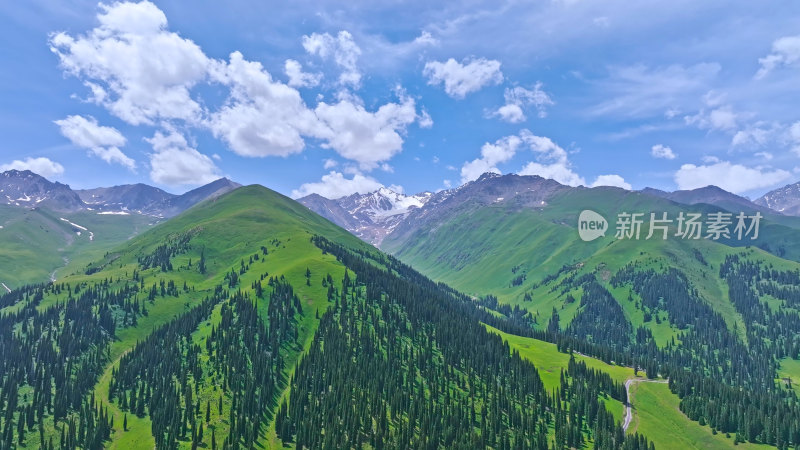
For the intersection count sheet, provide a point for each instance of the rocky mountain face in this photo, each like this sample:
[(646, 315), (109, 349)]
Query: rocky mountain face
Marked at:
[(383, 214), (27, 189), (138, 197), (369, 216), (375, 215), (785, 200)]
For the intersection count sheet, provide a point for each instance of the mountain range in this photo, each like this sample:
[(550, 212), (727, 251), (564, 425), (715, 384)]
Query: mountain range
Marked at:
[(483, 321), (25, 188), (47, 227), (385, 215)]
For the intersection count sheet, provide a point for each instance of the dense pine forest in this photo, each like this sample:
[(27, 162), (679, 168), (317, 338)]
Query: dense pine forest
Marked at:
[(299, 340)]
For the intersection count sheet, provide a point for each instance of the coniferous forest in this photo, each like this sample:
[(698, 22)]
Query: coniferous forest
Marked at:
[(299, 341)]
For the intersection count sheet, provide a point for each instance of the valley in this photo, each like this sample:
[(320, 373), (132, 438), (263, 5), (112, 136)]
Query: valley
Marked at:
[(248, 320)]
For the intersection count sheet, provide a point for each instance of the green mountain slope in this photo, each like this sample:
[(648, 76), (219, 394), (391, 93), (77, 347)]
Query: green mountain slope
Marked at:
[(713, 316), (250, 321), (39, 243)]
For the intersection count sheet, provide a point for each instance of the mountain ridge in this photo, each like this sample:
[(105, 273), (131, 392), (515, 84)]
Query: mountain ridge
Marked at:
[(28, 189)]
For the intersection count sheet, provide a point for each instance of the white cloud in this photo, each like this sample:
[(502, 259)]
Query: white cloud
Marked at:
[(662, 151), (263, 117), (491, 154), (85, 132), (425, 120), (174, 162), (785, 52), (140, 71), (144, 74), (518, 98), (735, 178), (103, 142), (330, 164), (462, 78), (510, 113), (551, 160), (335, 185), (267, 118), (298, 78), (42, 166), (611, 180), (342, 49), (717, 116), (368, 138)]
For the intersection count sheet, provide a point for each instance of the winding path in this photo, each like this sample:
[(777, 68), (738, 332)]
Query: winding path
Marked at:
[(628, 409)]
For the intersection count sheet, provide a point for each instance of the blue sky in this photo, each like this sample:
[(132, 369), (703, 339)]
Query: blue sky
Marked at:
[(336, 98)]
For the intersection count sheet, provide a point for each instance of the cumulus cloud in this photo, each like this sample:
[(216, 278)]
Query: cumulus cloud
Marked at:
[(103, 142), (342, 49), (491, 154), (732, 177), (144, 73), (518, 98), (135, 67), (42, 166), (462, 78), (335, 185), (551, 160), (173, 162), (785, 52), (263, 117), (298, 78), (363, 136), (611, 180), (662, 151)]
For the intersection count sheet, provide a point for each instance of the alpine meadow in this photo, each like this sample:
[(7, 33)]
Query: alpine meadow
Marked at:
[(338, 225)]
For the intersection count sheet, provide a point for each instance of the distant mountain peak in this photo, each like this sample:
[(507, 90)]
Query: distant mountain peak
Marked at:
[(27, 189), (370, 216), (785, 200)]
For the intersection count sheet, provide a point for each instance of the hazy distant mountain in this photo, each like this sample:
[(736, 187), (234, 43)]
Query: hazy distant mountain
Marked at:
[(138, 197), (25, 188), (180, 203), (710, 195), (369, 216), (785, 200)]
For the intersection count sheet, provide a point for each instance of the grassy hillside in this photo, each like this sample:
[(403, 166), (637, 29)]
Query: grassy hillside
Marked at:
[(249, 222), (37, 244), (209, 330), (655, 408)]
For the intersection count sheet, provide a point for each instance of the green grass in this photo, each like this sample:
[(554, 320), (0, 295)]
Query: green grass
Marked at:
[(38, 245), (657, 416), (790, 369), (549, 361), (656, 413)]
